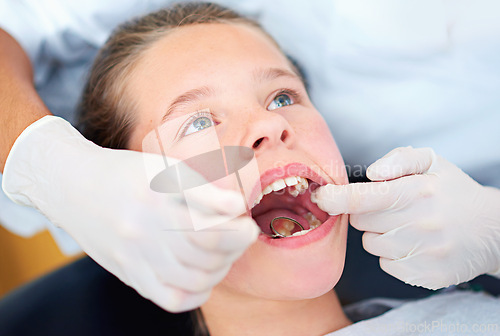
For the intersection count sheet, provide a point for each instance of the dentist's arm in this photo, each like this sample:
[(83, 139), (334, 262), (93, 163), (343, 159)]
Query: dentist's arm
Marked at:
[(102, 198), (20, 104), (430, 223)]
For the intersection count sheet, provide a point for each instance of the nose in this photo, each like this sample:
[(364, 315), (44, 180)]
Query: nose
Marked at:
[(266, 130)]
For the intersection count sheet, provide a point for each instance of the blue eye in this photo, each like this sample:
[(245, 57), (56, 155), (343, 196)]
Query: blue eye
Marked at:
[(196, 123), (280, 100)]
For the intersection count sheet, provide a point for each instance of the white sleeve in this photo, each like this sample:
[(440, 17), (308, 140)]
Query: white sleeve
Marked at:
[(56, 31)]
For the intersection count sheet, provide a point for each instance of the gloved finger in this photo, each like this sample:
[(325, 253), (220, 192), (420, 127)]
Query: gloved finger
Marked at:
[(400, 162), (378, 222), (197, 192), (361, 198), (210, 199), (193, 279), (398, 269), (234, 235), (371, 222), (386, 245), (147, 259), (177, 301), (191, 255), (407, 271), (171, 298), (155, 254)]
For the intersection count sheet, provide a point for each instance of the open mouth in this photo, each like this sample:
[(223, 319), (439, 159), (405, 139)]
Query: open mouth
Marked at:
[(288, 197)]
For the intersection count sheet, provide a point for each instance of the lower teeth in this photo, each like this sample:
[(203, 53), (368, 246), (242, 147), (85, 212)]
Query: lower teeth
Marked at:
[(300, 233), (286, 229)]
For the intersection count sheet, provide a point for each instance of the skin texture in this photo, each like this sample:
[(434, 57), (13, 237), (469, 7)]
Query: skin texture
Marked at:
[(20, 104), (269, 286)]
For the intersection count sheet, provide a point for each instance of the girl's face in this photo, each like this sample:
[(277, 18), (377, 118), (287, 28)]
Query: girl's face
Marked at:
[(231, 81)]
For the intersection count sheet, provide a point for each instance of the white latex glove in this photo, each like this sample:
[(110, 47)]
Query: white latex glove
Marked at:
[(430, 223), (102, 198)]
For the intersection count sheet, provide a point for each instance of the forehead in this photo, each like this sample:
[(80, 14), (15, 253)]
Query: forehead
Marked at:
[(214, 44), (222, 56)]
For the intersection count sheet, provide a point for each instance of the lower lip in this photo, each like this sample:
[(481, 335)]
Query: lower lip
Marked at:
[(302, 240)]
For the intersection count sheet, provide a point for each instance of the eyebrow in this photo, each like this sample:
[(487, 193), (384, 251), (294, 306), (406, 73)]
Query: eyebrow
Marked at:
[(263, 75), (186, 97), (260, 75)]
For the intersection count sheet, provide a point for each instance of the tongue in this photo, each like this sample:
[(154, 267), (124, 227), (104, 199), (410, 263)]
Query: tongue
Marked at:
[(264, 220)]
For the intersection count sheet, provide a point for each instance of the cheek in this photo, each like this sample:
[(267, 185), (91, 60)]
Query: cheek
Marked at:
[(316, 139)]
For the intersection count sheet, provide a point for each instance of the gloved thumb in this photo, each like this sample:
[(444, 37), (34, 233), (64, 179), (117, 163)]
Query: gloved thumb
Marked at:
[(332, 198), (357, 198)]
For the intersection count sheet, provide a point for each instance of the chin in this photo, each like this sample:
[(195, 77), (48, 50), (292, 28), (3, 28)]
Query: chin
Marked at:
[(275, 273)]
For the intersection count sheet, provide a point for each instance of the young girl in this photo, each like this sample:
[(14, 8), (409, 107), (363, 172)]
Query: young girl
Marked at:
[(199, 76)]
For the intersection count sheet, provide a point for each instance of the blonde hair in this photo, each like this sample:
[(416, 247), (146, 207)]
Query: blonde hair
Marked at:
[(105, 113)]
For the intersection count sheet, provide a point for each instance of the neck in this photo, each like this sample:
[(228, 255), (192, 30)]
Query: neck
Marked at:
[(227, 314)]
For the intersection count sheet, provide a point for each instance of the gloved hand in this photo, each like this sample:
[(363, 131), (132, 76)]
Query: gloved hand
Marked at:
[(430, 223), (102, 198)]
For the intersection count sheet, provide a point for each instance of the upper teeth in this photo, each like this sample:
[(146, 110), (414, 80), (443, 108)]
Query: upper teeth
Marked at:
[(299, 183)]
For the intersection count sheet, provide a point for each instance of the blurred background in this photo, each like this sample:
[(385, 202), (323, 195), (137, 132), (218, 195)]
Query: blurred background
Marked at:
[(24, 259)]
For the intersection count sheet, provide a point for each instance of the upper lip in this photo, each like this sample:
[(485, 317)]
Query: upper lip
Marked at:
[(291, 169)]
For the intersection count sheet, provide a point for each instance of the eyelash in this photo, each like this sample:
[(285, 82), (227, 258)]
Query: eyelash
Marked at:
[(191, 119), (294, 94)]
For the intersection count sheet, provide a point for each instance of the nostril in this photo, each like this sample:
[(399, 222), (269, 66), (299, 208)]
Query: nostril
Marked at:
[(257, 143), (284, 135)]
